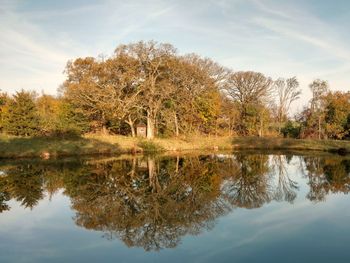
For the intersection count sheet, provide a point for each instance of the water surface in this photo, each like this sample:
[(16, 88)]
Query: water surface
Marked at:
[(242, 207)]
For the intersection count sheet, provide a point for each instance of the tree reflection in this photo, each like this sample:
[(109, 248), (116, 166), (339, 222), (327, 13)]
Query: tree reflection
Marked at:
[(286, 187), (250, 186), (4, 195), (326, 175), (151, 202), (24, 184), (27, 182), (147, 202)]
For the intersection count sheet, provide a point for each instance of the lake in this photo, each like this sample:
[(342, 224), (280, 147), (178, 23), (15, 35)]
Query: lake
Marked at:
[(222, 207)]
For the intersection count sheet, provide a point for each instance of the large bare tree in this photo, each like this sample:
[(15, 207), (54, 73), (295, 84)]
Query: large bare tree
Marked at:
[(249, 89), (318, 88), (287, 91)]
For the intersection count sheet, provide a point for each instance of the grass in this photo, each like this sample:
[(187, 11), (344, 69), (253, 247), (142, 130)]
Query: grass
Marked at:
[(15, 147), (149, 146), (167, 144), (290, 144)]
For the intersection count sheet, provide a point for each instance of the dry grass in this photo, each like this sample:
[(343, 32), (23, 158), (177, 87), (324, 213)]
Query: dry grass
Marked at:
[(168, 144)]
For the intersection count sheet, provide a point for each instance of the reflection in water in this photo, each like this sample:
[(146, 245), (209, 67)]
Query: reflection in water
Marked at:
[(326, 176), (152, 202), (286, 187), (249, 186)]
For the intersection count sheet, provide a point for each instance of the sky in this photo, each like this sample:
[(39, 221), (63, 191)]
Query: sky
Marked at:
[(308, 39)]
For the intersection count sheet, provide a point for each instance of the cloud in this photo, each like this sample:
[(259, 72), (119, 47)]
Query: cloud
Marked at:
[(306, 29), (280, 39), (28, 56)]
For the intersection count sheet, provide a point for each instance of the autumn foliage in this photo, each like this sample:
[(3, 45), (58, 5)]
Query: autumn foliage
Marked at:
[(174, 95)]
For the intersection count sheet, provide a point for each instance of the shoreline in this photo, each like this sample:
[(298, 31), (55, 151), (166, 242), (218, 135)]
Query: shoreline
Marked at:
[(47, 148)]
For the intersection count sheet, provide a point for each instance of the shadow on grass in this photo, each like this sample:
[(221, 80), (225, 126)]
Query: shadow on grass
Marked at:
[(21, 147)]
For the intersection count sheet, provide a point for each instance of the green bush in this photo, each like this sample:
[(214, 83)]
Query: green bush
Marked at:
[(290, 130), (149, 146)]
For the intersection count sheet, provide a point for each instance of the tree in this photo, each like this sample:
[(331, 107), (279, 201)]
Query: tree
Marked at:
[(147, 80), (122, 74), (70, 121), (153, 67), (337, 112), (287, 91), (195, 101), (347, 127), (229, 114), (217, 73), (48, 108), (250, 89), (290, 130), (318, 88), (4, 99), (104, 90), (83, 88), (22, 117)]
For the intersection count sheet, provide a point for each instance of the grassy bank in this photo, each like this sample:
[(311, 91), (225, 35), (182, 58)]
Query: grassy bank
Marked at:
[(14, 147), (254, 143), (167, 144)]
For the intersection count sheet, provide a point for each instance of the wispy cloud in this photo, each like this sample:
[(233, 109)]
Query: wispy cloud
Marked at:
[(30, 58), (303, 27), (278, 38)]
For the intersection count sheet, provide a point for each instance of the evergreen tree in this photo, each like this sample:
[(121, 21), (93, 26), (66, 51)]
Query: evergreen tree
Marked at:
[(22, 118), (3, 105), (70, 121)]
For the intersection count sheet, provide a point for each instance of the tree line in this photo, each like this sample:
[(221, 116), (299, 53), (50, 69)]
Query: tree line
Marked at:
[(174, 95)]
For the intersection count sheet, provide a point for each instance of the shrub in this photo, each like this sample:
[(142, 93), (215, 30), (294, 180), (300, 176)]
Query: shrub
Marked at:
[(149, 146), (290, 130)]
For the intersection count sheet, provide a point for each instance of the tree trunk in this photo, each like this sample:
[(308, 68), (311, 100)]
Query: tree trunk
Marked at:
[(229, 126), (261, 128), (133, 168), (176, 125), (280, 115), (130, 122), (155, 129), (177, 163), (152, 174), (279, 126), (150, 125), (104, 129), (151, 170), (133, 134), (319, 127)]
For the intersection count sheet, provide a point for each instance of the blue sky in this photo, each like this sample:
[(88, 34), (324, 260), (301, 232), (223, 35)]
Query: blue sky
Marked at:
[(308, 39)]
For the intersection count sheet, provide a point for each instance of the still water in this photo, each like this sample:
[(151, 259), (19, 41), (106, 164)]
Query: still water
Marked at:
[(242, 207)]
